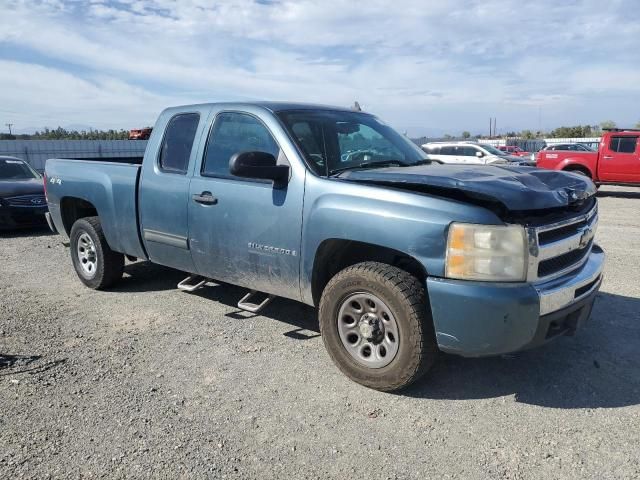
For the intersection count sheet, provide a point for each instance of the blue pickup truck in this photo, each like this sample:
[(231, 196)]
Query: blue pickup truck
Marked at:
[(331, 207)]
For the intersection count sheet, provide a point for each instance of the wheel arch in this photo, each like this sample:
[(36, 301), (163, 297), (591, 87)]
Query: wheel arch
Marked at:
[(578, 167), (73, 209), (337, 254)]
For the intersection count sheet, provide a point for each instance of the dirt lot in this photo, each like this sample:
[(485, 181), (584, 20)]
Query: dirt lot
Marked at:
[(148, 381)]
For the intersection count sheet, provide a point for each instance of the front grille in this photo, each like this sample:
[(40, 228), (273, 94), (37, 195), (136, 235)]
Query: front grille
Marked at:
[(554, 235), (37, 200), (562, 246), (562, 262)]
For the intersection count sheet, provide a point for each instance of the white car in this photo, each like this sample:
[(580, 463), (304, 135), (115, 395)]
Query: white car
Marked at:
[(470, 153)]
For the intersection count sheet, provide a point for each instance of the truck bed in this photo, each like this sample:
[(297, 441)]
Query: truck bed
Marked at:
[(110, 187)]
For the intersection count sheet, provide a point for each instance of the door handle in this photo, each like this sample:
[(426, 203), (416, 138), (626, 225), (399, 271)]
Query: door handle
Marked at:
[(205, 198), (608, 157)]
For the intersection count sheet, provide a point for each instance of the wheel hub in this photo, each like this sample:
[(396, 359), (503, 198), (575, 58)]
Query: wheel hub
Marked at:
[(371, 327), (86, 252), (368, 330)]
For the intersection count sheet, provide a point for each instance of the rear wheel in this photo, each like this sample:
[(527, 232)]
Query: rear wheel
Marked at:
[(97, 266), (376, 326), (579, 171)]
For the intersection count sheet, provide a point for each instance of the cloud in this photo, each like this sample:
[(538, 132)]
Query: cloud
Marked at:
[(435, 65)]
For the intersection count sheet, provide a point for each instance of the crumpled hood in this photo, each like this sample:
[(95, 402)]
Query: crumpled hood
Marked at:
[(12, 188), (516, 188)]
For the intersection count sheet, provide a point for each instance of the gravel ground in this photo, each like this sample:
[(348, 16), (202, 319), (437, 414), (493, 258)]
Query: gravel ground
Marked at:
[(149, 381)]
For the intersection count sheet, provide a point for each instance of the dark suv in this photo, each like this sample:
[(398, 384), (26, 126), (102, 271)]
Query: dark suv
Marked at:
[(22, 199)]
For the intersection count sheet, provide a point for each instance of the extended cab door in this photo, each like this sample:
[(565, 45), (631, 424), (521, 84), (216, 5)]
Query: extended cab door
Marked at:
[(242, 231), (619, 159), (163, 196)]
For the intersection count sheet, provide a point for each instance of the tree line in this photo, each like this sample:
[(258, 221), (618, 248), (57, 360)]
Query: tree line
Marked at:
[(577, 131), (64, 134)]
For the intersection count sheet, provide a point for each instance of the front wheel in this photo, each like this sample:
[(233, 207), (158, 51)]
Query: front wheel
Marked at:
[(97, 266), (376, 326)]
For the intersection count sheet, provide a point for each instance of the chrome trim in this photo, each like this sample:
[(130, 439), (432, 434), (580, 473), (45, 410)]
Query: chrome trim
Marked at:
[(539, 253), (572, 242), (571, 221), (166, 239), (560, 293)]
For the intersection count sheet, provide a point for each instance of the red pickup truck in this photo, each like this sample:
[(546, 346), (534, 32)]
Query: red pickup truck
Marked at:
[(513, 150), (617, 160)]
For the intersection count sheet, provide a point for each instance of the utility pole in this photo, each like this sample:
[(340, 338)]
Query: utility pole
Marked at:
[(9, 125)]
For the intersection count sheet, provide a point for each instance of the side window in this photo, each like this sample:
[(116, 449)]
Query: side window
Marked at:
[(178, 142), (448, 151), (467, 151), (623, 144), (232, 133)]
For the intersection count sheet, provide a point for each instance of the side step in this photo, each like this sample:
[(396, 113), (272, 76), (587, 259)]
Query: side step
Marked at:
[(245, 302), (192, 283)]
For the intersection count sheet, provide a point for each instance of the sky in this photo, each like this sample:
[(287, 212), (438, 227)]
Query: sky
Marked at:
[(426, 67)]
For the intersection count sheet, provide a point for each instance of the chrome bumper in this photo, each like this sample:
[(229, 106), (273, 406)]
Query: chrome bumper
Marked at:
[(561, 293)]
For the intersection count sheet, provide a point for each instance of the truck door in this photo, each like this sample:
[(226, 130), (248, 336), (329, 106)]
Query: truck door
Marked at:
[(619, 159), (163, 195), (243, 231)]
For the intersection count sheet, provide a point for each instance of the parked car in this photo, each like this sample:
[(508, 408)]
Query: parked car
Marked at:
[(617, 161), (140, 133), (569, 147), (591, 145), (514, 151), (22, 200), (403, 257), (471, 153)]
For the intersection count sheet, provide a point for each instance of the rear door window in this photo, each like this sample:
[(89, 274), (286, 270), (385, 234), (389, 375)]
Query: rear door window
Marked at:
[(623, 144), (178, 142)]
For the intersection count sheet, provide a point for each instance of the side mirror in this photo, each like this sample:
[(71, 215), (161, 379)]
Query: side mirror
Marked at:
[(479, 154), (258, 165)]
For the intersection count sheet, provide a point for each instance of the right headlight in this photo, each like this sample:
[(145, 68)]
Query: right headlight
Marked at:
[(496, 253)]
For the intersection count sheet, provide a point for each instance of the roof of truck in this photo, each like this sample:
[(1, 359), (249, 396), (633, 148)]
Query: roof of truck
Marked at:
[(273, 106)]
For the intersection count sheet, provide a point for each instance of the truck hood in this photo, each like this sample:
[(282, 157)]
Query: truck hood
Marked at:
[(515, 188), (11, 188)]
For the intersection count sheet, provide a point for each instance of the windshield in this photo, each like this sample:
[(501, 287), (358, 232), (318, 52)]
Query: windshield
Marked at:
[(493, 150), (333, 141), (11, 169)]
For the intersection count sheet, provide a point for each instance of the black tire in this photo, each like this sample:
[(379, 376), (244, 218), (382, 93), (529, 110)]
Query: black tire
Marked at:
[(109, 265), (406, 298), (579, 171)]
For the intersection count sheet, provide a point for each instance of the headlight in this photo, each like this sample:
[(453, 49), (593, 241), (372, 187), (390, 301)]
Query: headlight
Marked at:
[(486, 252)]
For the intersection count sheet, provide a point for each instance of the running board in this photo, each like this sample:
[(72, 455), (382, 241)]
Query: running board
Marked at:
[(189, 284), (245, 302)]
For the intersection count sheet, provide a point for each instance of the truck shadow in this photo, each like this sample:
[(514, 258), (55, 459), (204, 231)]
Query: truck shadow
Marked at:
[(149, 277), (39, 231), (598, 368), (618, 194)]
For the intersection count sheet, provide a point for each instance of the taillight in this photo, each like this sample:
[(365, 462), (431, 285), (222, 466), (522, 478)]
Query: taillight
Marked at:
[(44, 182)]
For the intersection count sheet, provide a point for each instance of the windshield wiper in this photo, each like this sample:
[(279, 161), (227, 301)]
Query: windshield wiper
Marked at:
[(376, 164)]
